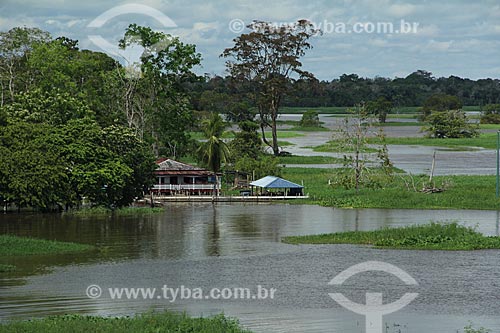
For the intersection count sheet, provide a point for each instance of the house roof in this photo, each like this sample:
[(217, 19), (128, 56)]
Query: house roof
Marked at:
[(171, 167), (274, 182)]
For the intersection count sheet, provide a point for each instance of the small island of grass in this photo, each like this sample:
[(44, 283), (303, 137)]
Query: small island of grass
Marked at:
[(433, 236), (123, 211), (23, 246), (150, 322), (7, 268)]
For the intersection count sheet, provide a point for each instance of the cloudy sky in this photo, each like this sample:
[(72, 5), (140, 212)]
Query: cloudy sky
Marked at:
[(453, 37)]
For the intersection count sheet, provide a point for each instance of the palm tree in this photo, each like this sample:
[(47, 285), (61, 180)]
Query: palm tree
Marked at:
[(213, 151)]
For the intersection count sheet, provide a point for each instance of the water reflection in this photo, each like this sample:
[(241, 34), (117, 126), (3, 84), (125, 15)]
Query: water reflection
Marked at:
[(239, 244), (201, 230)]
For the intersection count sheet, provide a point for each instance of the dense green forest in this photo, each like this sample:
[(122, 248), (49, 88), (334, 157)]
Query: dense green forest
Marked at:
[(351, 89), (76, 123), (79, 124)]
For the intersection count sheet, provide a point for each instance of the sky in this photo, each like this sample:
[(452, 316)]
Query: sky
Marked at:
[(447, 37)]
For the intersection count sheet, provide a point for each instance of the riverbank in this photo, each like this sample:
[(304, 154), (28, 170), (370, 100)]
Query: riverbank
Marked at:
[(102, 211), (13, 246), (23, 246), (146, 323), (403, 191), (485, 140), (434, 236)]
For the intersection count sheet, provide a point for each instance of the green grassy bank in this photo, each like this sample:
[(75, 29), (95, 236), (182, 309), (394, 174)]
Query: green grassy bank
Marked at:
[(102, 211), (462, 192), (485, 140), (23, 246), (166, 322), (296, 159), (432, 236)]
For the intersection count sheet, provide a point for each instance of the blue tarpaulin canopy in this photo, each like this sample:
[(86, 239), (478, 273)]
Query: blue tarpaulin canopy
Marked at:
[(274, 182)]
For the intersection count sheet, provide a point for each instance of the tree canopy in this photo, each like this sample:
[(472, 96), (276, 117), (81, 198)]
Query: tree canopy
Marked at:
[(265, 60), (67, 130)]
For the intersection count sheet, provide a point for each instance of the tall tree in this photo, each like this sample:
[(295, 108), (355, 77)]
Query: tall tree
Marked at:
[(156, 104), (54, 107), (266, 58), (353, 137), (15, 47), (213, 151), (381, 107), (246, 142)]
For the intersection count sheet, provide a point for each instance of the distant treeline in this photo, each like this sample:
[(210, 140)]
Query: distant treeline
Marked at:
[(351, 89)]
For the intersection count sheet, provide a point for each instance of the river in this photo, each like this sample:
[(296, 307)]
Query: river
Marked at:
[(238, 245)]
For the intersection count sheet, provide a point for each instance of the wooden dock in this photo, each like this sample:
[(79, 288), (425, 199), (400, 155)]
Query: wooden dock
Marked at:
[(209, 198)]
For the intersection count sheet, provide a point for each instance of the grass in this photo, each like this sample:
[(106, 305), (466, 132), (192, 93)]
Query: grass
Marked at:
[(489, 126), (309, 129), (166, 322), (343, 109), (295, 159), (7, 268), (463, 192), (334, 147), (23, 246), (433, 236), (282, 134), (282, 143), (285, 134), (402, 116), (99, 211), (399, 124), (321, 110), (485, 140), (469, 108), (297, 127)]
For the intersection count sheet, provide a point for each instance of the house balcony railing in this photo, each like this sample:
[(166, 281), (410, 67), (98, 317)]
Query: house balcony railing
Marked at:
[(184, 187)]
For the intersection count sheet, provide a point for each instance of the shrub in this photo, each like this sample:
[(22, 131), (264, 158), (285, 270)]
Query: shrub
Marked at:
[(491, 114), (450, 124), (310, 119), (439, 103), (491, 118), (266, 165)]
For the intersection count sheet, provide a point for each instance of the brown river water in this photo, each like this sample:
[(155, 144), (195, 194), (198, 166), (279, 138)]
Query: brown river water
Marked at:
[(238, 246)]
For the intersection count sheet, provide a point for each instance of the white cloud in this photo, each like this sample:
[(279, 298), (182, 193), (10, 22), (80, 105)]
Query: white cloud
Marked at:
[(458, 36), (205, 26), (72, 23), (7, 23), (377, 42), (438, 46), (429, 30), (495, 11), (401, 10)]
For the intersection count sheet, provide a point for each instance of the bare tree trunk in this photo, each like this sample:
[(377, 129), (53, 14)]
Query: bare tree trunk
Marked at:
[(357, 167), (432, 168), (274, 132), (2, 97), (11, 81)]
